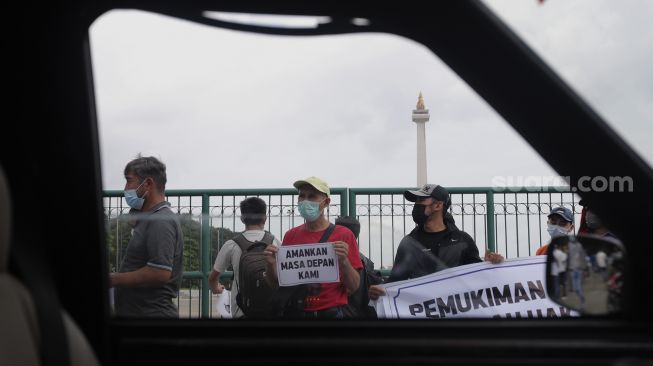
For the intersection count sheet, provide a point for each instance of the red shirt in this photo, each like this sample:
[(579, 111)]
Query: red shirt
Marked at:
[(325, 295)]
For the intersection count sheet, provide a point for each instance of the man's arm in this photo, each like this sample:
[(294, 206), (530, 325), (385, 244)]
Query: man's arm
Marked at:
[(222, 262), (271, 265), (143, 277), (214, 282), (471, 254), (400, 271), (402, 265), (351, 278)]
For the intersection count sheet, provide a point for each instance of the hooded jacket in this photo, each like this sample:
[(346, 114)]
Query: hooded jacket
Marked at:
[(415, 259)]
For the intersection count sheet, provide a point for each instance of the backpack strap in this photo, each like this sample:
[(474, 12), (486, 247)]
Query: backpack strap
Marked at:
[(268, 238), (327, 233), (242, 242), (245, 244)]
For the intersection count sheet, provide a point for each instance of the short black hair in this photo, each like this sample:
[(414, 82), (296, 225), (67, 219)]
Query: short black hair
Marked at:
[(351, 223), (253, 211)]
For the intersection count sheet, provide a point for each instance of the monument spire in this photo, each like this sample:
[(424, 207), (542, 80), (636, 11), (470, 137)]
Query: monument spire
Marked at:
[(420, 117), (420, 102)]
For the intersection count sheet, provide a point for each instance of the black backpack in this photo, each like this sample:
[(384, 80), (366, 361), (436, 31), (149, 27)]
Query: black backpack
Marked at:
[(254, 292), (358, 302)]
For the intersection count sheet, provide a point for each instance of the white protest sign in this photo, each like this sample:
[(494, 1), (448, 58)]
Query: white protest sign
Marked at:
[(512, 289), (307, 263)]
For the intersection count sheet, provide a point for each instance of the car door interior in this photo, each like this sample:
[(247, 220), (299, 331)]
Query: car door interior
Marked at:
[(55, 173)]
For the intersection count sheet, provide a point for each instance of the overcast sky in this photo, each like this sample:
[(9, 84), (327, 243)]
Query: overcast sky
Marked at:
[(226, 109)]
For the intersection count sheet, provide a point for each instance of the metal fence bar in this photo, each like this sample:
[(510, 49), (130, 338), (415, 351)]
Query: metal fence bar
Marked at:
[(517, 217), (197, 278), (344, 202), (392, 217), (528, 223), (205, 241), (490, 220)]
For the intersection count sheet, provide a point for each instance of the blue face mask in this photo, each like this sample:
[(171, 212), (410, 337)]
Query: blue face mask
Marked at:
[(131, 196), (309, 210)]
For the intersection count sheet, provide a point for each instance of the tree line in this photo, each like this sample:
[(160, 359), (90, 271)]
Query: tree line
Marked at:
[(119, 233)]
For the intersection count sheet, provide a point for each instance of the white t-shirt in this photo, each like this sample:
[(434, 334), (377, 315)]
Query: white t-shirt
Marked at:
[(228, 255), (560, 263)]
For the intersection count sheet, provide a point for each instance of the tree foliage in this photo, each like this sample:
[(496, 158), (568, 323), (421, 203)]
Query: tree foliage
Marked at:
[(119, 233)]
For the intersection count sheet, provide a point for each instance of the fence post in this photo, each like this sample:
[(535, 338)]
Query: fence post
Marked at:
[(489, 220), (206, 255), (352, 202), (344, 202)]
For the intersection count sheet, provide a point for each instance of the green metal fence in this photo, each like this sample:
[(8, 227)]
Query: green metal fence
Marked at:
[(209, 218), (509, 221)]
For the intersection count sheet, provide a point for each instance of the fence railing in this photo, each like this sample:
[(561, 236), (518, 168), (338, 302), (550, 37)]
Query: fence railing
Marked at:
[(509, 221)]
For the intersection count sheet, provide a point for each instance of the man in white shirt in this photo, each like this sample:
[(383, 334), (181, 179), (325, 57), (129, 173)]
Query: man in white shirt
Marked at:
[(254, 215)]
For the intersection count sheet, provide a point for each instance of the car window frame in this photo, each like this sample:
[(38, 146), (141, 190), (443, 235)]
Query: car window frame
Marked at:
[(513, 64)]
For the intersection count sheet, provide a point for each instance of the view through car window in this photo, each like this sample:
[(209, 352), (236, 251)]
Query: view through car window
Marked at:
[(206, 133)]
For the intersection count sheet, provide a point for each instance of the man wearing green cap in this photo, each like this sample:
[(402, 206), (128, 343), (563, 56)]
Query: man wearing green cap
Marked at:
[(326, 300)]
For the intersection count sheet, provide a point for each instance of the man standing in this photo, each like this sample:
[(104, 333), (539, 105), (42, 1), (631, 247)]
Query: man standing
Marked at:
[(436, 243), (253, 213), (326, 300), (150, 273)]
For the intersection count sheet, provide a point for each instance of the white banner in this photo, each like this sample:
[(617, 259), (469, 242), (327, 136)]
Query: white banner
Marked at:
[(515, 288), (307, 263)]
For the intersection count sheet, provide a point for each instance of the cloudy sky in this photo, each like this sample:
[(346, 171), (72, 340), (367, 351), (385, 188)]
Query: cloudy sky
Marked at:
[(226, 109)]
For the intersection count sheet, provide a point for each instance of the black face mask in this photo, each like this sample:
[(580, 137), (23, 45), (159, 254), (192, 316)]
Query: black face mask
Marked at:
[(418, 214)]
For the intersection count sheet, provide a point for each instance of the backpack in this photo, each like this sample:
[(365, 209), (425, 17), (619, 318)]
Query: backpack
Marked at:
[(358, 302), (254, 292)]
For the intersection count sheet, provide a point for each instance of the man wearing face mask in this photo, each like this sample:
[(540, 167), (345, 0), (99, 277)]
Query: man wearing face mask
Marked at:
[(150, 272), (326, 300), (593, 222), (436, 243), (560, 222)]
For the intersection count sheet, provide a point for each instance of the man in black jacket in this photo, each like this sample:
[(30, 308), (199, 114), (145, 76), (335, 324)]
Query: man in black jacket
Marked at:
[(436, 243)]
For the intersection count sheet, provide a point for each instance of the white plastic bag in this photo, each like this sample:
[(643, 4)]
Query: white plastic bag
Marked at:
[(223, 304)]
